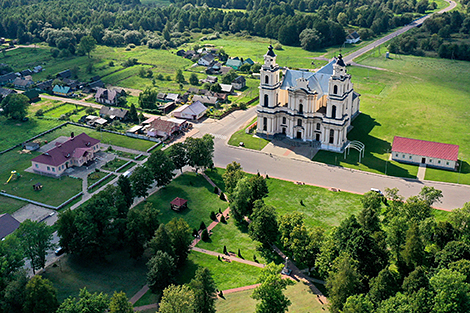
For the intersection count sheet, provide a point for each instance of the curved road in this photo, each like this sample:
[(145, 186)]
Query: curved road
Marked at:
[(350, 58)]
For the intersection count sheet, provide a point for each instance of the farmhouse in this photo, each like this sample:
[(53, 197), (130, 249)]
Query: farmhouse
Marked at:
[(206, 60), (239, 82), (162, 128), (76, 151), (434, 154), (113, 113), (205, 99), (63, 91), (191, 112), (8, 224), (7, 78), (311, 107), (234, 63), (353, 37), (106, 96), (4, 92), (22, 83), (64, 74)]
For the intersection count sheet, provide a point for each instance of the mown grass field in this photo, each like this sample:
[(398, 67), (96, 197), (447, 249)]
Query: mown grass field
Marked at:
[(118, 273), (200, 195), (302, 298), (249, 141), (414, 97)]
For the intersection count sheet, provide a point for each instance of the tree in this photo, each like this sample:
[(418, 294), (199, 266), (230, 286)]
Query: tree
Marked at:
[(177, 299), (11, 259), (161, 241), (413, 252), (36, 240), (204, 289), (430, 195), (15, 106), (306, 243), (141, 226), (415, 281), (161, 167), (232, 175), (193, 80), (383, 286), (400, 303), (460, 219), (452, 252), (179, 77), (270, 292), (177, 154), (342, 282), (310, 39), (133, 114), (14, 293), (240, 200), (263, 226), (181, 239), (148, 98), (141, 181), (452, 293), (161, 269), (369, 219), (86, 302), (125, 188), (40, 296), (287, 223), (200, 151), (120, 304), (358, 303), (216, 87), (87, 45)]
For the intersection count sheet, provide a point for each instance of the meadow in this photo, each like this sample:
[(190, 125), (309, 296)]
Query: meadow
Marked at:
[(416, 97)]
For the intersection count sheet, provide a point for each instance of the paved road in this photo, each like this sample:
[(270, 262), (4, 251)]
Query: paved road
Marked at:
[(349, 58), (318, 174)]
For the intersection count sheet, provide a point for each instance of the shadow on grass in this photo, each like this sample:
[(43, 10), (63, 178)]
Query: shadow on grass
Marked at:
[(363, 125)]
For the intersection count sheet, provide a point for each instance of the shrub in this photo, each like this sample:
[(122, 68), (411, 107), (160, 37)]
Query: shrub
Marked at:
[(216, 190), (39, 112), (195, 233), (225, 250), (202, 226), (111, 63), (212, 216), (205, 235), (222, 219), (222, 196)]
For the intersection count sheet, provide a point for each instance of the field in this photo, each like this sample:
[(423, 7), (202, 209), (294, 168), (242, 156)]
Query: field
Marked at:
[(194, 188), (118, 273), (303, 301), (410, 99)]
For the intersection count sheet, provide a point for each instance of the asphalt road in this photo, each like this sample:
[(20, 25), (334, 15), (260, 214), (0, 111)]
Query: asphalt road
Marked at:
[(349, 58), (318, 174)]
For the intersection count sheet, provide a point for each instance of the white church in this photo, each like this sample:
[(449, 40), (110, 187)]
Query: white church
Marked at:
[(311, 107)]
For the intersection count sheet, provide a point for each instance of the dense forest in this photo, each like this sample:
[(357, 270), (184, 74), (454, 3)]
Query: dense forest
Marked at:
[(119, 22)]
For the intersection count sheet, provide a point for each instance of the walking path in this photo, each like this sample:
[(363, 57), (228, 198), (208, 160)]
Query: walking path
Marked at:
[(421, 171)]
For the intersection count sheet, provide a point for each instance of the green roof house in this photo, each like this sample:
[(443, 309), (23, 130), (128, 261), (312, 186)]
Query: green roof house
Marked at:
[(63, 91), (235, 64), (249, 61)]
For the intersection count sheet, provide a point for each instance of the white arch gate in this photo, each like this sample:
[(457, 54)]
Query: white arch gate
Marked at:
[(359, 146)]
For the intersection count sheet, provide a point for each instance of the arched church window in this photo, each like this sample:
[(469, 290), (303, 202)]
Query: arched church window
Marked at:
[(318, 126), (266, 100), (301, 108), (332, 135), (265, 124), (335, 90), (333, 111), (299, 122), (266, 79), (284, 120)]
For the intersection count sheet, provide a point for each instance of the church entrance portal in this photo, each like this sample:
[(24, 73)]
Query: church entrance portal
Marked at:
[(283, 130), (299, 135), (423, 160), (317, 138)]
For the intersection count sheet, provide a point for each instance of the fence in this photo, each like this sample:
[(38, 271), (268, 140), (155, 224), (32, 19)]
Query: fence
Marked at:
[(101, 180)]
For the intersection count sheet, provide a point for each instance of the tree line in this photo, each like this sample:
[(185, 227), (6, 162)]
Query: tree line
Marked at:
[(63, 24), (442, 35)]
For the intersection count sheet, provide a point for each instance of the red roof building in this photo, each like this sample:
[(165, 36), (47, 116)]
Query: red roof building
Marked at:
[(430, 153), (76, 151), (178, 204)]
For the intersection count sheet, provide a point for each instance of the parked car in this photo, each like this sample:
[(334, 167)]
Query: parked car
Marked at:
[(59, 251)]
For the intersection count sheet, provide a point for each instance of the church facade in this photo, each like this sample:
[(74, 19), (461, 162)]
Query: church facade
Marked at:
[(312, 107)]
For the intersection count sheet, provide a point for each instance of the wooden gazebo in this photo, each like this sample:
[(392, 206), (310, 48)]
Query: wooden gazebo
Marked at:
[(179, 204)]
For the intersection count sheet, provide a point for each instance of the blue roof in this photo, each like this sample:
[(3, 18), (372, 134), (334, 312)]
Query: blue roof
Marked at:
[(317, 81), (60, 89), (233, 63)]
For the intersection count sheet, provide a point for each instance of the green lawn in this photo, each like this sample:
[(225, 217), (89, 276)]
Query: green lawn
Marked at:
[(199, 193), (101, 184), (107, 138), (226, 275), (117, 273), (256, 47), (125, 168), (63, 109), (410, 99), (322, 207), (249, 141), (9, 205), (114, 164), (94, 177), (302, 298), (53, 191), (234, 238)]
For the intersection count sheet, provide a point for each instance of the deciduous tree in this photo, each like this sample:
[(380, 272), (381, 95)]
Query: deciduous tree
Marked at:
[(86, 302), (161, 241), (141, 226), (41, 296), (181, 239), (161, 167), (178, 299), (200, 151), (161, 269), (141, 181), (87, 45), (232, 175), (177, 154), (263, 226), (15, 106), (120, 304), (204, 289)]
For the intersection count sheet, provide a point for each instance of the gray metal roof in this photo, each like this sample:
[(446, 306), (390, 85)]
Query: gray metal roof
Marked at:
[(317, 81)]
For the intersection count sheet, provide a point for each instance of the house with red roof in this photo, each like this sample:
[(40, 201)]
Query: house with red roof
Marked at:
[(75, 151), (434, 154)]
